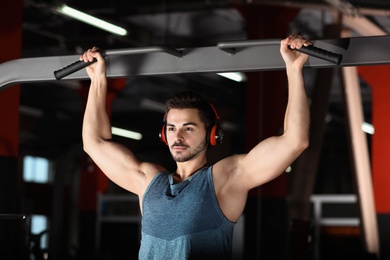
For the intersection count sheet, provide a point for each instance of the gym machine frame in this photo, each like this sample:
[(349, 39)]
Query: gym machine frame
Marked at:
[(238, 56)]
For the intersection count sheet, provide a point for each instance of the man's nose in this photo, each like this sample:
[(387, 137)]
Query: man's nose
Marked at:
[(179, 135)]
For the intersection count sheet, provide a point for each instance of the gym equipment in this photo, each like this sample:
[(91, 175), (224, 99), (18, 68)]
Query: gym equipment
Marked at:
[(243, 56), (13, 216), (77, 65), (230, 48)]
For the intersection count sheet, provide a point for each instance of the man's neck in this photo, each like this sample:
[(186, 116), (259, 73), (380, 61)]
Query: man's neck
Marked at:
[(187, 169)]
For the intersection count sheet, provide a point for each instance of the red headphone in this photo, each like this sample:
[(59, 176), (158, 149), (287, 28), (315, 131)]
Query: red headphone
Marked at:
[(214, 134)]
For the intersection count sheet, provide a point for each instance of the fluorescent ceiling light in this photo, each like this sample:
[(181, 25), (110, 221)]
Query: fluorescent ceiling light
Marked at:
[(236, 76), (152, 105), (368, 128), (126, 133), (86, 18), (30, 111)]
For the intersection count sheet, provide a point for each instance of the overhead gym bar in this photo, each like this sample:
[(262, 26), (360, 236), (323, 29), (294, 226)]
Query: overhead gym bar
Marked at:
[(247, 56)]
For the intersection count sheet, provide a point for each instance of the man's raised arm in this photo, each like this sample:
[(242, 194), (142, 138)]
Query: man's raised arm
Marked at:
[(114, 159)]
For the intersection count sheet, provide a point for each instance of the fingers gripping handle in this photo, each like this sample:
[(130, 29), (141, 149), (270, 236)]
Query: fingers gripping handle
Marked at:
[(321, 54), (71, 68)]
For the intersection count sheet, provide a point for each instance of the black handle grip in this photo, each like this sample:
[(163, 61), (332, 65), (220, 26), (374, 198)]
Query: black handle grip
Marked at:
[(71, 68), (321, 54)]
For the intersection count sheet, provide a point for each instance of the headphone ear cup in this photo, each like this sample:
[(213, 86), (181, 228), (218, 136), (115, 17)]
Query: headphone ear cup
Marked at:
[(215, 135), (162, 135)]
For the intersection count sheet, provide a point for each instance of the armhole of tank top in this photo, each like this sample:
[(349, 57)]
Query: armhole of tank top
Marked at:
[(216, 204), (150, 184)]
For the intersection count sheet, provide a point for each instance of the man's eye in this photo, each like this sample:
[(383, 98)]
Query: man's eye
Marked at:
[(188, 129), (170, 129)]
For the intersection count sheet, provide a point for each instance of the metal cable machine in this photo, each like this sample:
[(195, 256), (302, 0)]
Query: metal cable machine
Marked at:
[(253, 55), (238, 56)]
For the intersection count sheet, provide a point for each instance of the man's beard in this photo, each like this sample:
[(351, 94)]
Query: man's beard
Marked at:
[(183, 157)]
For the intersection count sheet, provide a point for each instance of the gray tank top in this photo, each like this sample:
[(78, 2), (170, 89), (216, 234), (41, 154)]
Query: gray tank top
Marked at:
[(183, 220)]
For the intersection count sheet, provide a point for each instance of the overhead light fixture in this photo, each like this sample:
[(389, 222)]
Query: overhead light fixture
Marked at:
[(89, 19), (368, 128), (236, 76), (152, 105), (30, 111), (126, 133)]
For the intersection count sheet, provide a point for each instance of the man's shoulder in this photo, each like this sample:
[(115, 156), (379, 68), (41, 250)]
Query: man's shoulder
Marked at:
[(228, 164)]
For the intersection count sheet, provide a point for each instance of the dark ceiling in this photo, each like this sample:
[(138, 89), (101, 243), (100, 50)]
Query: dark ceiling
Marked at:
[(51, 113)]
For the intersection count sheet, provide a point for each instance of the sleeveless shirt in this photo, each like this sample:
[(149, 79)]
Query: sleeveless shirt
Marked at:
[(183, 220)]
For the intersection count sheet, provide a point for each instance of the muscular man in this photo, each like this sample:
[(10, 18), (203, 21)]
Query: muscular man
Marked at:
[(190, 213)]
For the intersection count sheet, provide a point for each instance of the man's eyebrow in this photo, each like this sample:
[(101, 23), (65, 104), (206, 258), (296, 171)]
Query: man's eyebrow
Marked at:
[(190, 123), (185, 124)]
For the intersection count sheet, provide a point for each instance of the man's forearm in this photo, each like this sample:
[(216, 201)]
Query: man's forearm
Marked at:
[(297, 113), (96, 123)]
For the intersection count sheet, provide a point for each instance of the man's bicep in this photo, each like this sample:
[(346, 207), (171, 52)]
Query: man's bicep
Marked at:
[(266, 161), (119, 164)]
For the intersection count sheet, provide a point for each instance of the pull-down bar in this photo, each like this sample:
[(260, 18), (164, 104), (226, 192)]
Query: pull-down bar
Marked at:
[(230, 47), (356, 51)]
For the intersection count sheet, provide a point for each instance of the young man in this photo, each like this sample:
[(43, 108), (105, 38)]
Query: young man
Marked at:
[(190, 214)]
